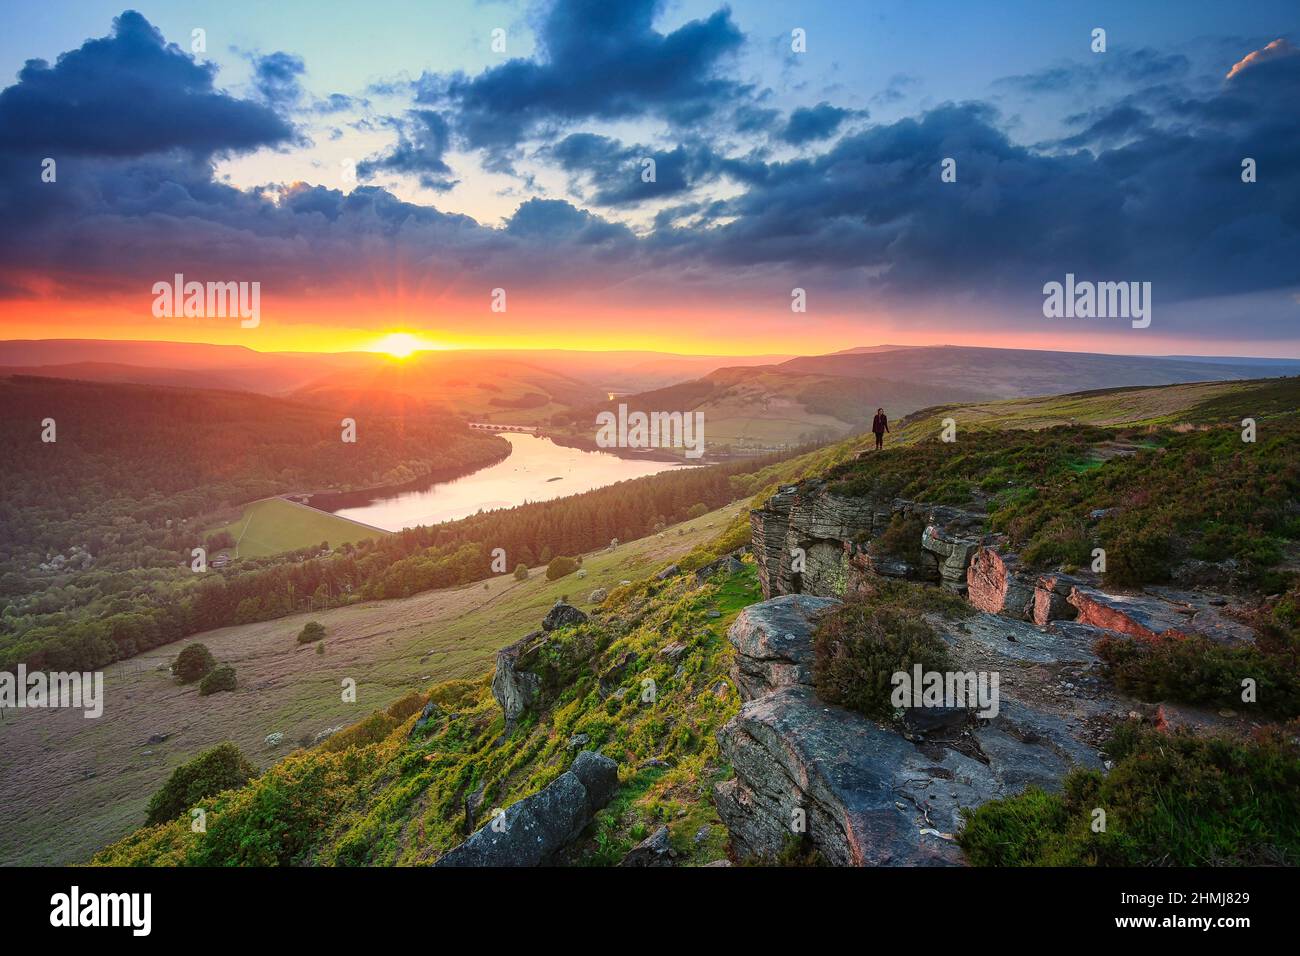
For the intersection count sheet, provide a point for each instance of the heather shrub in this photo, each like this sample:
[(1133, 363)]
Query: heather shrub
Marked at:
[(311, 631), (1170, 800), (859, 646)]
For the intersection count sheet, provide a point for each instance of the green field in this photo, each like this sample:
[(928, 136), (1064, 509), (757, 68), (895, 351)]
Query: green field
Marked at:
[(275, 525)]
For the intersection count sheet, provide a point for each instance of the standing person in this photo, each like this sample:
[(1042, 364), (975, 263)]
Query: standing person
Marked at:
[(880, 425)]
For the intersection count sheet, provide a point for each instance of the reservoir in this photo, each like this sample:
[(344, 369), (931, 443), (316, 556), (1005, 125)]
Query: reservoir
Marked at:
[(537, 469)]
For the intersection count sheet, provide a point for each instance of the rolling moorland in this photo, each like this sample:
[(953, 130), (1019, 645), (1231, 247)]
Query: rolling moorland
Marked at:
[(1158, 476), (824, 397)]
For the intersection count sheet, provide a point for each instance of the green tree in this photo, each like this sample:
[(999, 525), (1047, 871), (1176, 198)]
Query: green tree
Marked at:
[(311, 631), (559, 567), (218, 679), (193, 663)]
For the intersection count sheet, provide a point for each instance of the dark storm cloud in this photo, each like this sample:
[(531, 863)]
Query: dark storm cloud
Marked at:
[(1117, 65), (423, 139), (1155, 198), (619, 174), (129, 94), (811, 123), (1147, 189), (598, 60)]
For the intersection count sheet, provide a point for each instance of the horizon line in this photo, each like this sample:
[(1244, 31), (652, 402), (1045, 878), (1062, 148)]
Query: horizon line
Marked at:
[(599, 351)]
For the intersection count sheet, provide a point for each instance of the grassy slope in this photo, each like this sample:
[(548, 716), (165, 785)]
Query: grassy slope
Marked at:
[(275, 525), (393, 800), (1197, 403), (388, 647)]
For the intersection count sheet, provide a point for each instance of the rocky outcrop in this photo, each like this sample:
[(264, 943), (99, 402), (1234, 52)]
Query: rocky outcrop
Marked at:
[(810, 540), (774, 644), (532, 831), (1051, 598), (727, 564), (1160, 613), (996, 584), (802, 536), (805, 768), (514, 685), (562, 615), (868, 793)]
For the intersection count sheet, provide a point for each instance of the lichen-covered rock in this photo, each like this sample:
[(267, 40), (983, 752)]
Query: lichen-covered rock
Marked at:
[(562, 615), (532, 831), (516, 688)]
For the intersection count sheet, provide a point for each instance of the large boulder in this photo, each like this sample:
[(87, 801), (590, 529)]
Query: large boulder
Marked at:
[(1052, 598), (773, 642), (538, 827), (803, 768), (562, 615)]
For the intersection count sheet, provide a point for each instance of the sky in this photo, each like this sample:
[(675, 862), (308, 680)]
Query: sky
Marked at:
[(477, 174)]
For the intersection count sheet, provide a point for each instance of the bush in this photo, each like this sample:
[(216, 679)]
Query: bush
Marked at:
[(696, 511), (218, 679), (1195, 670), (1170, 800), (559, 567), (521, 572), (902, 539), (193, 663), (221, 768), (861, 645), (311, 631)]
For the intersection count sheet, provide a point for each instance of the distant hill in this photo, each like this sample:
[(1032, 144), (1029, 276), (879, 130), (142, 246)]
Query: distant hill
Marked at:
[(566, 376), (820, 396)]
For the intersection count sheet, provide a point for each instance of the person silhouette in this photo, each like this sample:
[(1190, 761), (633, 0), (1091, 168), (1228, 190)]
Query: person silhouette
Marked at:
[(880, 425)]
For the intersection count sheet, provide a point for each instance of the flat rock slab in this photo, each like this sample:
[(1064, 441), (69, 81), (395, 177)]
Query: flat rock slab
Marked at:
[(867, 794), (1015, 640), (1147, 617)]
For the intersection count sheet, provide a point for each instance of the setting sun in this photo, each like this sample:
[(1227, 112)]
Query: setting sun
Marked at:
[(399, 344)]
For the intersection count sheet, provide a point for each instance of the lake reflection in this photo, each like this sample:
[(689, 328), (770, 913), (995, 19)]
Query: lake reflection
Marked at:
[(529, 474)]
